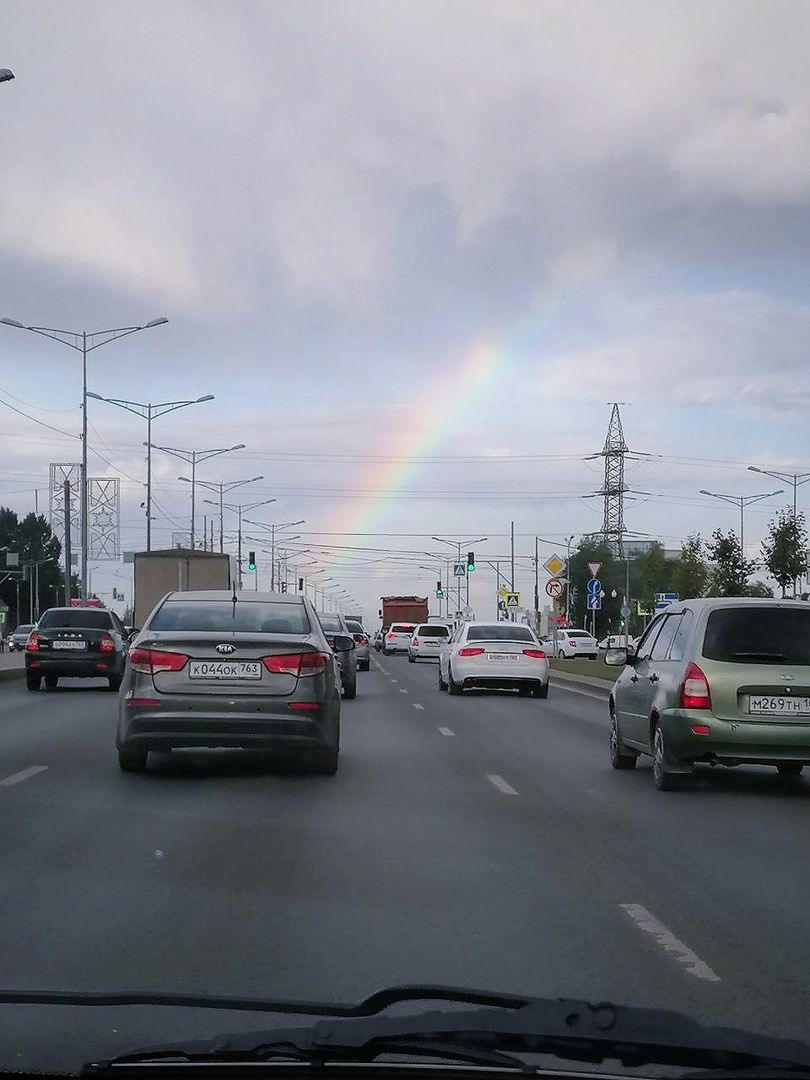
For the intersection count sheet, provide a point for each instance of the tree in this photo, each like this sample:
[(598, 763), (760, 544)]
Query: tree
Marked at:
[(34, 542), (731, 571), (785, 549), (655, 574), (591, 549), (690, 573)]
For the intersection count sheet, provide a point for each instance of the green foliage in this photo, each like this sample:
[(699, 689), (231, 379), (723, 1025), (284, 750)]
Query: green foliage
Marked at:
[(731, 571), (31, 538), (690, 572), (785, 548)]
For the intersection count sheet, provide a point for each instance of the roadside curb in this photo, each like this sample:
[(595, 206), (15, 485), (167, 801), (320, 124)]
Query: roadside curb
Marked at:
[(581, 680)]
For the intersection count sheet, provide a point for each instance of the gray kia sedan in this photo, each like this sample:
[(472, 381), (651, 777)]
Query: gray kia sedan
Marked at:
[(253, 671)]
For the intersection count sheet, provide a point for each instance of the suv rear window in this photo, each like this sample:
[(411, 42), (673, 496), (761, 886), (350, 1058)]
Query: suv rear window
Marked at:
[(432, 631), (90, 618), (224, 617), (758, 635)]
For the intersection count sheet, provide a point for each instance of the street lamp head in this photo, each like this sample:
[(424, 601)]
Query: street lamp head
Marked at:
[(97, 397), (239, 446), (185, 479), (703, 491), (6, 75), (753, 468), (13, 322), (155, 322), (206, 397)]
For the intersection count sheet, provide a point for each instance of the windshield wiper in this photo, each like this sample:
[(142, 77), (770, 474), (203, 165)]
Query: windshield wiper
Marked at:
[(494, 1033)]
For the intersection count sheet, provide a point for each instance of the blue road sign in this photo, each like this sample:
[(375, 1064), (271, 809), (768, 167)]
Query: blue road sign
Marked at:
[(594, 587), (595, 603)]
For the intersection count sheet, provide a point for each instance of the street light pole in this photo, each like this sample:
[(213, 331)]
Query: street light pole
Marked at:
[(191, 457), (795, 480), (150, 411), (239, 509), (742, 501), (78, 341), (272, 527), (221, 489), (459, 544)]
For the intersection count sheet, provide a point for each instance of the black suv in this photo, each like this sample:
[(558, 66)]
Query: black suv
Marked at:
[(76, 643)]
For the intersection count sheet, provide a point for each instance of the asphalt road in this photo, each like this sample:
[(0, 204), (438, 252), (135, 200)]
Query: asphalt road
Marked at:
[(481, 841)]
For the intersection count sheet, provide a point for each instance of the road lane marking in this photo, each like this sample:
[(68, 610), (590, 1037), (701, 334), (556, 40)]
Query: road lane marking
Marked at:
[(446, 731), (394, 680), (669, 943), (583, 693), (402, 690), (501, 784), (24, 774), (416, 705)]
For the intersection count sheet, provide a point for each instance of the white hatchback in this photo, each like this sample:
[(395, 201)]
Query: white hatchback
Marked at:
[(426, 641), (502, 655), (397, 638), (571, 643)]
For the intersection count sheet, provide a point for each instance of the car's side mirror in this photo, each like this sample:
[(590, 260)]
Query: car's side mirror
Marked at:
[(132, 633), (343, 643), (618, 657)]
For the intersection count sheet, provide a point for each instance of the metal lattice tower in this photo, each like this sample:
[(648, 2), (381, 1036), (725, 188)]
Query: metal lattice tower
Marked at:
[(614, 487)]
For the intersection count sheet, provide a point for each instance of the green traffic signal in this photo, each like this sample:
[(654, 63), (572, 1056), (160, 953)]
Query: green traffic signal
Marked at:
[(470, 561), (251, 560)]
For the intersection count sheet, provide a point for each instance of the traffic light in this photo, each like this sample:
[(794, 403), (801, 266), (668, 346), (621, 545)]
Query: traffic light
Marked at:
[(251, 560), (300, 584), (439, 590), (284, 586), (470, 561)]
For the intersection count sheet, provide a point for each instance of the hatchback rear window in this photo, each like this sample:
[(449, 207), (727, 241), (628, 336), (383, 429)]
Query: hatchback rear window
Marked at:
[(224, 617), (402, 628), (89, 618), (578, 633), (502, 632), (355, 627), (758, 635), (432, 631)]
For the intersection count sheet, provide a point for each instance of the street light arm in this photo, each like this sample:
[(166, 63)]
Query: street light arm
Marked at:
[(64, 336)]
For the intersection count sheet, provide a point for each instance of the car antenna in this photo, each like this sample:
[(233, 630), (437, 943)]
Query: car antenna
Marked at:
[(234, 599)]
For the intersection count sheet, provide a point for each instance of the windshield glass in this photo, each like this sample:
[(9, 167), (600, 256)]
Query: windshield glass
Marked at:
[(758, 636), (225, 617)]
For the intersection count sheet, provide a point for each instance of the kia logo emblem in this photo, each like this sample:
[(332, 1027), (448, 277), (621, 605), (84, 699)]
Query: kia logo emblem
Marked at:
[(225, 647)]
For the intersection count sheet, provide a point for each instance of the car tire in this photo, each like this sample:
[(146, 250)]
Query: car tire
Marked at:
[(455, 688), (350, 690), (790, 768), (325, 764), (32, 682), (115, 682), (619, 757), (561, 655), (364, 667), (442, 683), (132, 758), (662, 778), (51, 681), (541, 691)]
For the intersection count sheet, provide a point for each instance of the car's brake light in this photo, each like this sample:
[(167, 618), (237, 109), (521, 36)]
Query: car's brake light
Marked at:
[(32, 645), (391, 637), (298, 664), (362, 641), (150, 661), (695, 689), (415, 642), (701, 729), (470, 651), (106, 644), (535, 654)]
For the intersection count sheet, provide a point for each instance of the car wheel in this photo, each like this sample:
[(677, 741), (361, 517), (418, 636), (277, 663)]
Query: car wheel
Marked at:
[(32, 682), (662, 778), (411, 660), (115, 682), (132, 758), (541, 691), (350, 690), (790, 768), (619, 757), (364, 667), (442, 683), (325, 764), (52, 681), (455, 688), (561, 654)]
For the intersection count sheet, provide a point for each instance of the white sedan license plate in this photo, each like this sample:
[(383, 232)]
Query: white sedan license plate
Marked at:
[(773, 704), (500, 657), (225, 669), (69, 644)]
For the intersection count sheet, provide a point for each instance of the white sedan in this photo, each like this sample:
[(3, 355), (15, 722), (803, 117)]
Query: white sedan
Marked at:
[(502, 655)]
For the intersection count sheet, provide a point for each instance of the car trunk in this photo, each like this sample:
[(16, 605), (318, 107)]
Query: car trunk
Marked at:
[(759, 693), (497, 655), (77, 642)]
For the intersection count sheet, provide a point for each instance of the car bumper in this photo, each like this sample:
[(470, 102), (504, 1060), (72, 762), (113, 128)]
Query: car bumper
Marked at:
[(85, 667), (395, 647), (157, 728), (424, 654), (363, 655), (500, 676), (734, 742)]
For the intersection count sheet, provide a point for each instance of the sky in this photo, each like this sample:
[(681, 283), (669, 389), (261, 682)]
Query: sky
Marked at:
[(414, 250)]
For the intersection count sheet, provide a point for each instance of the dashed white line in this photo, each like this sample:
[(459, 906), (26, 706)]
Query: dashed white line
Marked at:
[(669, 943), (446, 731), (402, 690), (24, 774), (416, 705), (394, 680), (501, 784)]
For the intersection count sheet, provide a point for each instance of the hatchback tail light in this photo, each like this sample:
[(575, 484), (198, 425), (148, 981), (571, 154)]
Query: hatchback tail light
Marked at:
[(415, 642), (535, 654), (362, 641), (391, 637), (150, 661), (298, 664), (106, 644), (470, 651), (695, 689), (32, 645)]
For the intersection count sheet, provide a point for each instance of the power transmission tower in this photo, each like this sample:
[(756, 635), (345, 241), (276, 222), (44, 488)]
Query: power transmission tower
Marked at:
[(614, 487)]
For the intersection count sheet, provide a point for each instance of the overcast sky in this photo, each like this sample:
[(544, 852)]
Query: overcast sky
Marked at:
[(413, 248)]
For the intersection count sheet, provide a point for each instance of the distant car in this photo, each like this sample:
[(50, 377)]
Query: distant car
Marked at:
[(361, 645), (379, 640), (334, 625), (398, 638), (256, 674), (76, 643), (17, 638), (616, 641), (571, 643), (725, 681), (502, 655), (426, 641)]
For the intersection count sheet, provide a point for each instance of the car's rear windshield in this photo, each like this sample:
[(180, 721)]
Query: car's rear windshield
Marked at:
[(331, 622), (578, 633), (499, 632), (89, 618), (26, 628), (432, 631), (758, 635), (355, 627), (223, 616), (402, 628)]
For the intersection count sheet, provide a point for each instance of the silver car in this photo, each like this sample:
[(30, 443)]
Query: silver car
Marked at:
[(426, 641), (209, 670), (501, 655), (334, 627), (361, 644)]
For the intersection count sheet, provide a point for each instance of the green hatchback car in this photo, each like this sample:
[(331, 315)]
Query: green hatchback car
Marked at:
[(721, 681)]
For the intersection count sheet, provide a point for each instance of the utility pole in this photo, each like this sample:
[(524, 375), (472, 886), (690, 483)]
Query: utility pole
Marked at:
[(536, 585), (67, 544)]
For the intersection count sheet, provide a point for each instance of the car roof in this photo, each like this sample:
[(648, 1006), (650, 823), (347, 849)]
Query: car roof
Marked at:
[(196, 595), (704, 603)]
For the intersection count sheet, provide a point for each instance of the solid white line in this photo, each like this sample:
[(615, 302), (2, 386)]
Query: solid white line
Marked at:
[(416, 705), (669, 943), (446, 731), (501, 784), (24, 774), (583, 693)]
